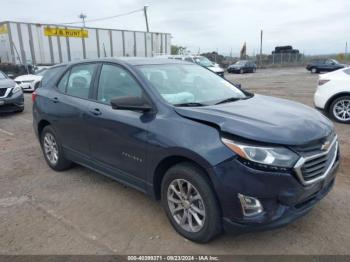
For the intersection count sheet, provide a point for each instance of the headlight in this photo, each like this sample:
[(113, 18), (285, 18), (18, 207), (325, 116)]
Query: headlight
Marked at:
[(274, 156), (16, 89)]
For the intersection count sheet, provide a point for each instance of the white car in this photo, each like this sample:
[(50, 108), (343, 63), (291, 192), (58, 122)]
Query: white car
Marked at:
[(30, 82), (333, 94), (200, 60)]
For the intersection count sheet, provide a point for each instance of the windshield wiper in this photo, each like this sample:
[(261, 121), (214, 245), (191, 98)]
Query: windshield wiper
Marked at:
[(190, 104), (227, 100)]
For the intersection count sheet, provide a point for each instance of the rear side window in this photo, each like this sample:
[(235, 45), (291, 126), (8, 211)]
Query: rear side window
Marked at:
[(50, 74), (63, 82), (79, 80), (116, 82)]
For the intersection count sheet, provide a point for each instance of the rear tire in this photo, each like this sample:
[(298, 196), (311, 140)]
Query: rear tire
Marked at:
[(340, 109), (314, 70), (52, 150), (197, 202)]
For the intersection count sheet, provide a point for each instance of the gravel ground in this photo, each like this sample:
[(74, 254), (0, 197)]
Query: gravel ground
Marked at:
[(82, 212)]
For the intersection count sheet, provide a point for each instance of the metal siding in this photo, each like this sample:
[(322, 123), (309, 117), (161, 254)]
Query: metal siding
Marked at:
[(34, 47)]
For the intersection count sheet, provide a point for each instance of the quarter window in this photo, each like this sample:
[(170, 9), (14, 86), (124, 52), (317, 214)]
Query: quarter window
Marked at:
[(79, 80), (63, 82), (116, 82), (50, 74)]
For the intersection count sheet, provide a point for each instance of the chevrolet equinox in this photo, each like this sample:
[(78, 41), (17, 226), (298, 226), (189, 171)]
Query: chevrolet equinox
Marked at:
[(218, 157)]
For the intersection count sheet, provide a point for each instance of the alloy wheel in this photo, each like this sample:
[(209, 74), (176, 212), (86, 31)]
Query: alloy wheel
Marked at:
[(186, 205), (51, 148), (341, 110)]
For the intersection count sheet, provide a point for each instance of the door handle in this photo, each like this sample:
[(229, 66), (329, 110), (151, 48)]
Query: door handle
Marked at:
[(96, 112), (55, 100)]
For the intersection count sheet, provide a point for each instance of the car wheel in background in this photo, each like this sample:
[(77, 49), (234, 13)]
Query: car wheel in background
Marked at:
[(241, 71), (314, 70), (190, 203), (340, 109), (53, 151), (254, 70)]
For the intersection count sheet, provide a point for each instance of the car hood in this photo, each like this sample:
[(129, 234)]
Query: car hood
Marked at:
[(7, 83), (28, 78), (215, 69), (264, 119)]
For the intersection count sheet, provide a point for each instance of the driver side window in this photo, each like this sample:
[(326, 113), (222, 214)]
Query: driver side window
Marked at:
[(116, 82)]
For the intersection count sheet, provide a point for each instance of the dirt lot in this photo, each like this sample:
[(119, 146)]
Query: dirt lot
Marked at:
[(82, 212)]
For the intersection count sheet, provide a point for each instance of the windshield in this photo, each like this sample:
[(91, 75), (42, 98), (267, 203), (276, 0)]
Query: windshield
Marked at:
[(2, 76), (203, 61), (334, 61), (181, 83), (240, 62)]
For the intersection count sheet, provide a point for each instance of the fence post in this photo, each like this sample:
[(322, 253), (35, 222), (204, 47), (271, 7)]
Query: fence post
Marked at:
[(281, 62)]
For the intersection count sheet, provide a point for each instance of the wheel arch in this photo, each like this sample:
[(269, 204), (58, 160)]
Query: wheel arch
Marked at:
[(330, 100), (165, 164), (41, 125)]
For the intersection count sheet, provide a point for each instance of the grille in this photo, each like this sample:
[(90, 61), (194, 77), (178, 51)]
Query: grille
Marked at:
[(311, 168), (3, 91), (317, 166)]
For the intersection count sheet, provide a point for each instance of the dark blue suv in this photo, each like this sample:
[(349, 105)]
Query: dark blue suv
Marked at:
[(216, 156)]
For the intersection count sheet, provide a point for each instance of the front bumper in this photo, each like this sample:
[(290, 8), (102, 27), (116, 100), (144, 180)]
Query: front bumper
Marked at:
[(283, 197), (12, 104)]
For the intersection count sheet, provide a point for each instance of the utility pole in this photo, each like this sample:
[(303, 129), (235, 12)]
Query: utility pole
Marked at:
[(146, 18), (346, 50), (82, 17), (261, 40)]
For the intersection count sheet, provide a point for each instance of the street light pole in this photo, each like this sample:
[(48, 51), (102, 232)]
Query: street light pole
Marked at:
[(261, 40), (146, 18), (83, 16), (346, 50)]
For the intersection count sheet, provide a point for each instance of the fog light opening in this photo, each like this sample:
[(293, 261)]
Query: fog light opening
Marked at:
[(251, 206)]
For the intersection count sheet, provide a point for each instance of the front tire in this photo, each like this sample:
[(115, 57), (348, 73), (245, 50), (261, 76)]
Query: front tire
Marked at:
[(314, 70), (190, 203), (241, 71), (340, 109), (53, 151)]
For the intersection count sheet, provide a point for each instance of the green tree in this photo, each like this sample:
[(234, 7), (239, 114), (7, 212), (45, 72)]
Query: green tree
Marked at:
[(177, 50)]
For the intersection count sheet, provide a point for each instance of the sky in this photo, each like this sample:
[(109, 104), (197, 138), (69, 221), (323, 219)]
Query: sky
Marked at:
[(312, 26)]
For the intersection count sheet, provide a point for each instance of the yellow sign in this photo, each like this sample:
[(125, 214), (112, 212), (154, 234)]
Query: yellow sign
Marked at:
[(3, 29), (81, 33)]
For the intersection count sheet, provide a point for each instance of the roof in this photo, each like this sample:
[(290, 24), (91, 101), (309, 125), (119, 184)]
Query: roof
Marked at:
[(136, 61)]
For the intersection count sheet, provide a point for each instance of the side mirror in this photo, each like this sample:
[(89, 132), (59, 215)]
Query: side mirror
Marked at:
[(133, 103)]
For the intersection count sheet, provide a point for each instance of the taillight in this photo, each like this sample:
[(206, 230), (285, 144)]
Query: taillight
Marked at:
[(322, 81), (33, 96)]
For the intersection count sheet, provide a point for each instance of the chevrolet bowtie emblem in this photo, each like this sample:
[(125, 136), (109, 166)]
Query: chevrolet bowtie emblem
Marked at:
[(325, 146)]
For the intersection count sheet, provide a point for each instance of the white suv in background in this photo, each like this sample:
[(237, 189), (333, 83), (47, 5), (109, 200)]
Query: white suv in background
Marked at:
[(200, 60), (333, 94), (30, 82)]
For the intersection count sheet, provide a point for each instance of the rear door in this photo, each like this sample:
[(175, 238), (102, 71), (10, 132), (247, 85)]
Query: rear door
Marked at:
[(70, 103), (119, 138)]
